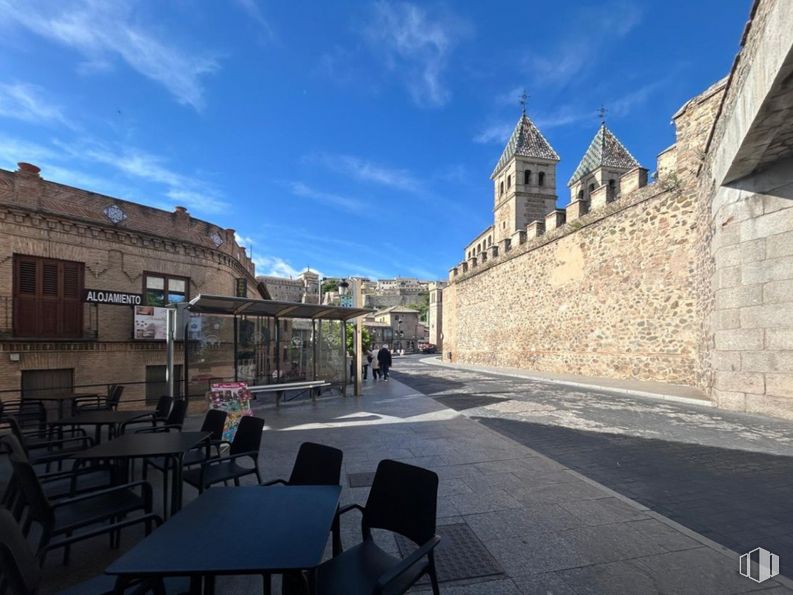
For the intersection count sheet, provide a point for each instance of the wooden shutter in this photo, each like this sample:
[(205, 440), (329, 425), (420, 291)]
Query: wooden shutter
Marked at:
[(25, 296), (71, 299), (47, 298)]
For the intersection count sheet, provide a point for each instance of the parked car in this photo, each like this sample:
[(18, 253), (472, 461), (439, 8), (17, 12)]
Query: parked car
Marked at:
[(429, 348)]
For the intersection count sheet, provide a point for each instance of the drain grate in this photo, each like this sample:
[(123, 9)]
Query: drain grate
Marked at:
[(463, 401), (360, 480), (460, 555)]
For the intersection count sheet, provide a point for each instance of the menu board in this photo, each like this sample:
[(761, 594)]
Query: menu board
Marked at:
[(150, 323), (235, 399)]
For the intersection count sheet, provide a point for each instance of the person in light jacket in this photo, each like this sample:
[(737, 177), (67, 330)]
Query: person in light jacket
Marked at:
[(384, 357), (375, 367)]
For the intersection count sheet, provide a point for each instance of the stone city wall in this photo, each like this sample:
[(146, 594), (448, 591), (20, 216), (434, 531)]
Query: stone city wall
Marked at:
[(608, 294), (601, 288)]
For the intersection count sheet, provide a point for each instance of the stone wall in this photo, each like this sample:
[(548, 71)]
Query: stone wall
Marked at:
[(746, 190), (610, 292)]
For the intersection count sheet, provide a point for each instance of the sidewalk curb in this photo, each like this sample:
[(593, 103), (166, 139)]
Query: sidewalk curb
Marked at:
[(434, 361)]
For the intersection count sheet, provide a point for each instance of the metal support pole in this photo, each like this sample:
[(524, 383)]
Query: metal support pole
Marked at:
[(170, 324), (277, 350), (344, 357), (314, 347), (236, 346)]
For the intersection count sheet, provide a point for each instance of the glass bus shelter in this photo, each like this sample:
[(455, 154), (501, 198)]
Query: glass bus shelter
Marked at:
[(234, 339)]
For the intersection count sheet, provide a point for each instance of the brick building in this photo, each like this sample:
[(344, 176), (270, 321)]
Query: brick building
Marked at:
[(83, 278)]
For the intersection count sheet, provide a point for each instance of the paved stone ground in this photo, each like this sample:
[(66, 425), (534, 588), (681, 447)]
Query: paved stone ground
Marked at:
[(727, 476), (549, 529)]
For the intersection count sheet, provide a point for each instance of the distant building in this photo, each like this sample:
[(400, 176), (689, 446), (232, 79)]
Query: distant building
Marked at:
[(304, 289), (404, 324), (435, 315)]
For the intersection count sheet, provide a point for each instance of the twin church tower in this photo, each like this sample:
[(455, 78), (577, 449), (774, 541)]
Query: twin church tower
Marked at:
[(524, 180)]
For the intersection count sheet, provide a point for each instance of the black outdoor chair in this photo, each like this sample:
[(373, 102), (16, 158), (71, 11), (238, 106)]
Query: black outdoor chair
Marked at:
[(173, 421), (245, 445), (316, 464), (46, 448), (100, 403), (214, 423), (56, 484), (20, 569), (72, 518), (159, 415), (403, 500)]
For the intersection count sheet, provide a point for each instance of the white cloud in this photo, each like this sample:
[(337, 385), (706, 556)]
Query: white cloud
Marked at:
[(105, 30), (274, 266), (335, 200), (26, 102), (416, 46), (254, 10), (495, 133), (197, 201), (594, 30), (367, 171)]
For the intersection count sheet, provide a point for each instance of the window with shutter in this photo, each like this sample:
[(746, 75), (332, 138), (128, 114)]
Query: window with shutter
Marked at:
[(48, 298)]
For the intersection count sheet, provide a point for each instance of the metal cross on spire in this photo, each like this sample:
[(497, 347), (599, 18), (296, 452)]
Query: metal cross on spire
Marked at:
[(523, 99), (602, 114)]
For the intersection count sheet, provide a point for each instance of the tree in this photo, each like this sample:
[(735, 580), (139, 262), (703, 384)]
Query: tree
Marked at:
[(366, 338), (330, 285)]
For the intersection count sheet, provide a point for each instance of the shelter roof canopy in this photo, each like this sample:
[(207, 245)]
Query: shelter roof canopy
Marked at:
[(229, 305)]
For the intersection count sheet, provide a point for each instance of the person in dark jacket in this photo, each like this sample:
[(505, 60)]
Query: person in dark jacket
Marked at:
[(384, 359)]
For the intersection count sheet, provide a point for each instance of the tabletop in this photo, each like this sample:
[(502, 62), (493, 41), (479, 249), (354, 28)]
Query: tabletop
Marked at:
[(147, 444), (238, 530), (101, 417)]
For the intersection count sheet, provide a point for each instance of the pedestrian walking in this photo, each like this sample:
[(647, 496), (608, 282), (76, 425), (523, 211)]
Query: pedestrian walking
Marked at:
[(367, 359), (384, 357), (375, 367)]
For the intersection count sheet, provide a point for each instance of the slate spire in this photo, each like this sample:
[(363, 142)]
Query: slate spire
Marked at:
[(527, 141), (605, 150)]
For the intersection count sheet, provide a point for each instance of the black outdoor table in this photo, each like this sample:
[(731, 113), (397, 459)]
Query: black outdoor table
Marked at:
[(61, 398), (237, 530), (100, 418), (170, 445)]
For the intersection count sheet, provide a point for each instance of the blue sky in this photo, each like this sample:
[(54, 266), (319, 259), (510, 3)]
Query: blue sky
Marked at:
[(353, 137)]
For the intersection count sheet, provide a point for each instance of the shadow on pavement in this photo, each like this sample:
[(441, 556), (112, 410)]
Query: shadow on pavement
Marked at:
[(739, 499)]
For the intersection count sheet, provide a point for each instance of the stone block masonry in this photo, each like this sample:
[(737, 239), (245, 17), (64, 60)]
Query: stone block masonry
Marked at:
[(688, 280), (610, 295)]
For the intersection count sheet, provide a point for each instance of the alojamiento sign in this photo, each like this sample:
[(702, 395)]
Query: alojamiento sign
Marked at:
[(99, 296)]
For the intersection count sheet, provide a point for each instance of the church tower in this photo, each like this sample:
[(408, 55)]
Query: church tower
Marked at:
[(524, 180), (604, 162)]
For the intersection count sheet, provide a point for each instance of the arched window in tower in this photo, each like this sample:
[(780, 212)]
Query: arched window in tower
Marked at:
[(541, 178), (527, 177), (501, 189), (612, 184), (591, 188), (509, 181), (580, 194)]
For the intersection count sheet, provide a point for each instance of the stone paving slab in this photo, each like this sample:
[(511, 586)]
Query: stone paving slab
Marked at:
[(544, 525)]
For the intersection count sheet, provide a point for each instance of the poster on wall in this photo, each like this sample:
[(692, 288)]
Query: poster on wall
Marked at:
[(150, 323), (235, 399)]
